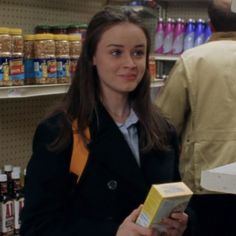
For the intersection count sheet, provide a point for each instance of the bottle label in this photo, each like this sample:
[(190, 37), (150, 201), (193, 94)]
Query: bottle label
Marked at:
[(6, 215), (40, 68), (52, 68), (63, 68), (4, 68), (29, 68), (16, 68), (18, 205), (73, 64)]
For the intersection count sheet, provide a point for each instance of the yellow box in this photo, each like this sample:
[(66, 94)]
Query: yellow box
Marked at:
[(161, 201)]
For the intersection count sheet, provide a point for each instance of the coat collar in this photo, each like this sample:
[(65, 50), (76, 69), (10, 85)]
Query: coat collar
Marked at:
[(223, 36)]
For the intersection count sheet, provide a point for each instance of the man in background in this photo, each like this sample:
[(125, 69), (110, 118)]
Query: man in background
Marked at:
[(199, 98)]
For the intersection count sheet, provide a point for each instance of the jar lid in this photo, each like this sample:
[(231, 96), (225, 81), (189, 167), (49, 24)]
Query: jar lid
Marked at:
[(74, 26), (44, 37), (4, 30), (42, 27), (15, 31), (74, 37), (83, 26), (7, 168), (58, 27), (60, 37), (29, 37)]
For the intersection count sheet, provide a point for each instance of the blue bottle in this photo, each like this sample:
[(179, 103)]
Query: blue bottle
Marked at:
[(208, 32), (200, 33), (189, 35)]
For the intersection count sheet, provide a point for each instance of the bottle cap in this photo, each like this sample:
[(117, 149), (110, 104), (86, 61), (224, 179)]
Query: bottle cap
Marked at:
[(7, 168)]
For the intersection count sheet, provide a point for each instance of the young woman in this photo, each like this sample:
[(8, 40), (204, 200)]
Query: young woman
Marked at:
[(131, 145)]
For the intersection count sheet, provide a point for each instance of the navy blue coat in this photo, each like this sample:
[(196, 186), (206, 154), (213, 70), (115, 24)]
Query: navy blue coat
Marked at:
[(111, 186)]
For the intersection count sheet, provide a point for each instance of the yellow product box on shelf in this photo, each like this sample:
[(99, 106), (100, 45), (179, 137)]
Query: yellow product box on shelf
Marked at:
[(161, 201)]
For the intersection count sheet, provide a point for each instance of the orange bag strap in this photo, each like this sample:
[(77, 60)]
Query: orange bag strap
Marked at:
[(80, 152)]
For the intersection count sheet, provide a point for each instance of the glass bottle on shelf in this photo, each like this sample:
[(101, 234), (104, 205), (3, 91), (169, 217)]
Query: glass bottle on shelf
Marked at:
[(6, 206)]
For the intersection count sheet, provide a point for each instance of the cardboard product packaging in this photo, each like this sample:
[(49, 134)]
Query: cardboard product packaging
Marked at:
[(161, 201), (221, 179)]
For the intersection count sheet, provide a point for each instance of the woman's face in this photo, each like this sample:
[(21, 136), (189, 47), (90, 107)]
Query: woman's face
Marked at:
[(120, 58)]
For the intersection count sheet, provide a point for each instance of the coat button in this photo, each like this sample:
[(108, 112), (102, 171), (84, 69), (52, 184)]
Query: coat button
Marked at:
[(112, 184)]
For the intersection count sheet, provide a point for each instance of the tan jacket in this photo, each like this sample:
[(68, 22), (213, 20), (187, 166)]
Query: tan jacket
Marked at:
[(199, 97)]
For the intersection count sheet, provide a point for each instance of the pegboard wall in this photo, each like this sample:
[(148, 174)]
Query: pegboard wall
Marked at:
[(187, 10), (26, 14), (19, 117), (18, 121)]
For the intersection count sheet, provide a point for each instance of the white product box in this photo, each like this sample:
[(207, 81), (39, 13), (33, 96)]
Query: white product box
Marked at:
[(220, 179)]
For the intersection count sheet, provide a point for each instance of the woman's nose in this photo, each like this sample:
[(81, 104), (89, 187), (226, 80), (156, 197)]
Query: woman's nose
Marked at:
[(129, 61)]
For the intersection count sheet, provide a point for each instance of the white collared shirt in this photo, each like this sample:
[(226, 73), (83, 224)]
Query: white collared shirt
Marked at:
[(130, 132)]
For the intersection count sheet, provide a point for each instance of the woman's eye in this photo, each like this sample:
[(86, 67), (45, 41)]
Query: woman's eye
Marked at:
[(116, 52), (138, 53)]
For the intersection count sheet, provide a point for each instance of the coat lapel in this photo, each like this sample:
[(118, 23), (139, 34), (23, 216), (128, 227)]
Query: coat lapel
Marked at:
[(113, 151)]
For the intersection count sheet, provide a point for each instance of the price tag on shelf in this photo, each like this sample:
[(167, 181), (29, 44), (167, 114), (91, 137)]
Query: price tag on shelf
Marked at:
[(14, 92)]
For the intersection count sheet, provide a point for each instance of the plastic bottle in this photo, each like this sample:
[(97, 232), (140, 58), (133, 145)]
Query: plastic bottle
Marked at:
[(208, 32), (178, 44), (189, 35), (6, 206), (18, 201), (159, 37), (168, 39), (200, 33)]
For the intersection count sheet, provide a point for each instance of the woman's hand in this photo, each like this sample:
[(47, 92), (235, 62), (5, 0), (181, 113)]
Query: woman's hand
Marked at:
[(130, 228), (176, 224)]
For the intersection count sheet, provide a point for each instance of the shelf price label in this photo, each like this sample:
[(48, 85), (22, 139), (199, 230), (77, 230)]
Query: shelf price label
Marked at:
[(14, 92)]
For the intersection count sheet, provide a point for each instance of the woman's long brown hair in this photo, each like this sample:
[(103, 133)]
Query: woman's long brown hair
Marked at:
[(81, 101)]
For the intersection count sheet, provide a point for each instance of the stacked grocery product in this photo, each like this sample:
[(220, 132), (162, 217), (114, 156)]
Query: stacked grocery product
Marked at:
[(47, 57), (11, 57), (175, 36), (11, 200)]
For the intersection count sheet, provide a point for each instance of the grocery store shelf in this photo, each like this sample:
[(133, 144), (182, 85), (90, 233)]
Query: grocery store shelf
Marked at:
[(44, 90), (165, 57), (32, 90)]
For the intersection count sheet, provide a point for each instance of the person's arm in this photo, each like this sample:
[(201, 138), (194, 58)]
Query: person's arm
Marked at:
[(49, 189), (173, 97)]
